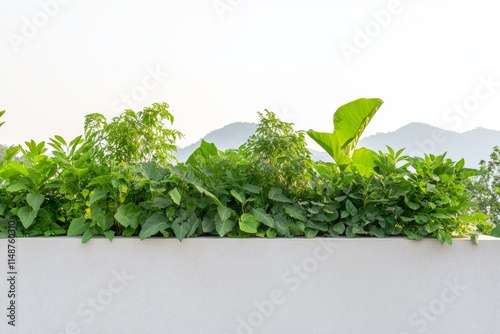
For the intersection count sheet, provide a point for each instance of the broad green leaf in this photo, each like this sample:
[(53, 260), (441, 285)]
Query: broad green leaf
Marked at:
[(251, 188), (276, 194), (181, 229), (175, 195), (101, 179), (317, 225), (351, 208), (161, 202), (495, 232), (363, 161), (351, 119), (239, 196), (205, 152), (296, 212), (109, 235), (35, 200), (27, 215), (224, 227), (128, 215), (208, 224), (87, 235), (154, 224), (263, 217), (16, 187), (78, 226), (271, 233), (209, 194), (224, 213), (248, 223), (339, 228), (310, 233), (97, 195)]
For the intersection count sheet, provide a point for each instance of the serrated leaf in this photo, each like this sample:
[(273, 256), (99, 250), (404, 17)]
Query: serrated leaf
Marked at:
[(263, 217), (78, 226), (154, 224), (248, 223), (175, 195)]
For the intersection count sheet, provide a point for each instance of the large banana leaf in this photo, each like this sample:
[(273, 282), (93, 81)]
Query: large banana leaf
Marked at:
[(349, 121)]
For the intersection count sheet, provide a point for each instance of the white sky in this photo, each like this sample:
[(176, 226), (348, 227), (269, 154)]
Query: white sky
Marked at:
[(283, 55)]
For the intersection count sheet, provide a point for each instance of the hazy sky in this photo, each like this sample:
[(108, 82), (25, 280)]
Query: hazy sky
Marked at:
[(217, 62)]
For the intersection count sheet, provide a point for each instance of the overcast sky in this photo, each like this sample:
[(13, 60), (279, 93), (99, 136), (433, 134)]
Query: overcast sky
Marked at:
[(217, 62)]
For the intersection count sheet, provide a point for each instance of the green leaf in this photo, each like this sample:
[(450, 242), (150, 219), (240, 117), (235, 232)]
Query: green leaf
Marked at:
[(263, 217), (161, 202), (87, 235), (16, 187), (128, 215), (224, 227), (239, 196), (296, 212), (109, 235), (78, 226), (248, 223), (276, 194), (27, 215), (224, 213), (154, 224), (97, 195), (175, 195), (181, 229), (317, 225), (252, 188), (208, 224), (351, 208), (495, 232), (339, 228), (101, 179), (205, 152), (310, 233)]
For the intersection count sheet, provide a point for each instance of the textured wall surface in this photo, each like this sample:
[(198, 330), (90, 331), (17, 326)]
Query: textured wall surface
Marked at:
[(212, 285)]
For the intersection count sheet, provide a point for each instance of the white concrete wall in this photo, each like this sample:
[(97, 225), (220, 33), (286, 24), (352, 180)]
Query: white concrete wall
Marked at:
[(212, 285)]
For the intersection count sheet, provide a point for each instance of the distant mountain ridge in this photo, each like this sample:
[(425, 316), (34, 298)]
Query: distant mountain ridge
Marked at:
[(416, 138)]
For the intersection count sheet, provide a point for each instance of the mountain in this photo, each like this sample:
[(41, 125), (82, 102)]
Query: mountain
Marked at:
[(419, 138), (416, 138)]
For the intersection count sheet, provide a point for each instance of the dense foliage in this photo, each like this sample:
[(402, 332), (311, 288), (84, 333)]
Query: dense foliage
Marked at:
[(486, 189), (120, 179)]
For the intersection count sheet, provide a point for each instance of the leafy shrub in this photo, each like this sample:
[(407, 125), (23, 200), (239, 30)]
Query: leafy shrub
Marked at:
[(269, 187)]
